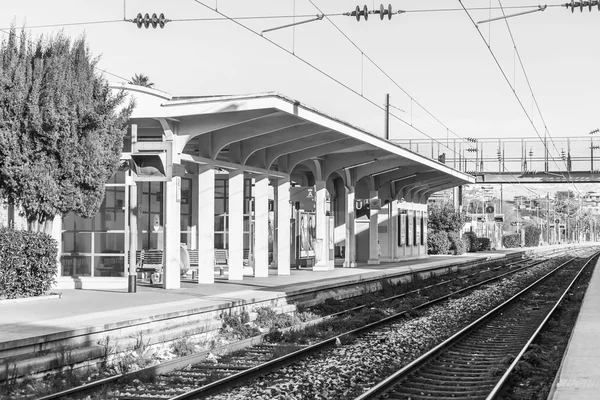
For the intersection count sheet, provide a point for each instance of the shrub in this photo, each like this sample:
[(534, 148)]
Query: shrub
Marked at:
[(484, 244), (471, 241), (438, 243), (532, 235), (28, 263), (512, 240), (457, 244)]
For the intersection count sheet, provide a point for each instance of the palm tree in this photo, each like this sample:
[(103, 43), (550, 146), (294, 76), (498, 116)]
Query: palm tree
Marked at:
[(141, 80)]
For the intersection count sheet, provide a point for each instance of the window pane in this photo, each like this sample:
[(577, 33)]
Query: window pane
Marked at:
[(119, 177), (76, 242), (76, 265), (109, 266), (219, 188), (109, 242), (186, 237), (220, 206), (220, 242), (156, 187), (220, 223)]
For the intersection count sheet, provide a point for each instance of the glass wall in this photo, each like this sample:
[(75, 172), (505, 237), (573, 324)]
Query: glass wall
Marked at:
[(222, 209), (186, 222), (150, 215), (96, 246)]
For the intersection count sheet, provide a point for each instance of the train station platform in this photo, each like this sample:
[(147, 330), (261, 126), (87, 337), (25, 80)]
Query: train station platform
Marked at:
[(34, 331), (85, 311), (579, 374)]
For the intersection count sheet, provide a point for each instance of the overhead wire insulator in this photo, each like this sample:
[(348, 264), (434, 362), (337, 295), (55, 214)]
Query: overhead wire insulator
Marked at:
[(146, 20), (384, 11)]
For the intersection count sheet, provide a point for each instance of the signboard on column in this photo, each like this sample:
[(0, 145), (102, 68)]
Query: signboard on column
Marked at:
[(410, 231), (330, 230), (401, 227), (307, 234), (417, 228)]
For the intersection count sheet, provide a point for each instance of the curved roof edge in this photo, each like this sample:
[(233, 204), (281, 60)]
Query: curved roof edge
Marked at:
[(141, 89)]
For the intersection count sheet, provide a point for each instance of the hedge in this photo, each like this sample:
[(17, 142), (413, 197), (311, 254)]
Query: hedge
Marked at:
[(471, 241), (511, 241), (484, 243), (457, 244), (28, 263), (438, 243)]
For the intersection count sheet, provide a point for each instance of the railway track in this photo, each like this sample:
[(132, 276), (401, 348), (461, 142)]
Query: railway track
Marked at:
[(476, 362), (202, 374)]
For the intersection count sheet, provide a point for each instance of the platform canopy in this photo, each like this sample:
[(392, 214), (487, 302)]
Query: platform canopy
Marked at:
[(273, 135)]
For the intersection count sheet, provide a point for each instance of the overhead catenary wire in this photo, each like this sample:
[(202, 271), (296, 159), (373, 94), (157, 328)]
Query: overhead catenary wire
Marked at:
[(412, 100), (309, 64), (533, 97), (507, 80), (266, 17)]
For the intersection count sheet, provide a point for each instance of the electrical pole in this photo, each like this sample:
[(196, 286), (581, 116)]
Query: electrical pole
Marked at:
[(387, 117)]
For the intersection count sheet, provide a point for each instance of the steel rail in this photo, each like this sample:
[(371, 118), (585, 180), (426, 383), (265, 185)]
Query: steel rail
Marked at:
[(500, 385), (391, 380), (172, 365), (290, 358)]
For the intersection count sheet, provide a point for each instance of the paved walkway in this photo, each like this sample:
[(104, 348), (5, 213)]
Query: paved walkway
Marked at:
[(86, 309), (579, 375)]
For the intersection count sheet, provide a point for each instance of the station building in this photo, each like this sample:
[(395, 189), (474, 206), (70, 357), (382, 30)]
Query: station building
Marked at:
[(236, 186)]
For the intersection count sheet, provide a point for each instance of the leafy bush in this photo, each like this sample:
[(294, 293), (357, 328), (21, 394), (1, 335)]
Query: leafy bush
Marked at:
[(28, 263), (532, 235), (511, 241), (472, 241), (457, 244), (438, 243), (484, 244)]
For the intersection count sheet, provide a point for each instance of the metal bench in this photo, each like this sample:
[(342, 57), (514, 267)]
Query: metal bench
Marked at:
[(194, 265), (151, 261), (221, 261)]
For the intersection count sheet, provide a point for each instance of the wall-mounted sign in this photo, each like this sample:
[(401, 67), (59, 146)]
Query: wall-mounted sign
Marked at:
[(362, 208), (375, 204), (401, 229)]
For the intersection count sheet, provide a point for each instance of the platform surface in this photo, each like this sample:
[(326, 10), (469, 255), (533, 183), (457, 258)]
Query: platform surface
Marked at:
[(88, 309), (579, 374)]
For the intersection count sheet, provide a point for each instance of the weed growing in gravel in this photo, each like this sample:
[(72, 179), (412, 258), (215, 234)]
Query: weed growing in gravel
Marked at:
[(236, 326), (183, 346)]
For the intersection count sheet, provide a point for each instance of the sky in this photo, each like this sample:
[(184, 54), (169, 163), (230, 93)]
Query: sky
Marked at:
[(442, 79)]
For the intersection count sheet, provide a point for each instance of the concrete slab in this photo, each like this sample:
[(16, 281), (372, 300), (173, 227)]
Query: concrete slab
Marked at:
[(80, 309), (579, 374)]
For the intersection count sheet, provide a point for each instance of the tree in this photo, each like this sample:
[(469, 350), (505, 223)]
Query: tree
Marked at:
[(61, 135), (444, 224), (443, 217), (141, 80)]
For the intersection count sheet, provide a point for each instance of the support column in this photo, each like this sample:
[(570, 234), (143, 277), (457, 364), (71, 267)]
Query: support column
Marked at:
[(374, 231), (172, 206), (206, 226), (236, 225), (261, 227), (322, 220), (350, 253), (283, 227), (133, 213)]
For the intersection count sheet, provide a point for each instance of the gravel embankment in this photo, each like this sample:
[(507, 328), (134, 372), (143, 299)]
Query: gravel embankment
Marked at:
[(349, 369)]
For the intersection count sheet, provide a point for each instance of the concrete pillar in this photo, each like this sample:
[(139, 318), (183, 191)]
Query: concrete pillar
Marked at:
[(236, 225), (171, 213), (322, 223), (374, 231), (133, 234), (261, 227), (283, 227), (206, 225), (394, 230), (350, 253)]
